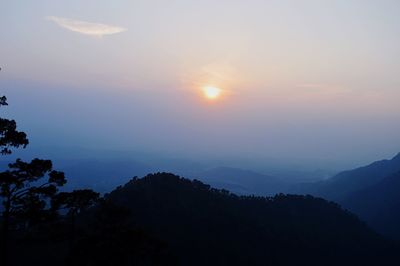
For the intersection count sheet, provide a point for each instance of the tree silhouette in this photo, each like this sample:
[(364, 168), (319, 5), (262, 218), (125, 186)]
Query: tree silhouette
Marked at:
[(9, 135), (23, 190), (110, 240), (74, 203), (25, 195)]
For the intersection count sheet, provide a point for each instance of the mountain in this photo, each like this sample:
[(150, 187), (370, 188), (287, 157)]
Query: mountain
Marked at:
[(371, 192), (379, 205), (242, 182), (340, 186), (207, 226)]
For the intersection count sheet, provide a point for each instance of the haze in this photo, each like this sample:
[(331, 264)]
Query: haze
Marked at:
[(301, 79)]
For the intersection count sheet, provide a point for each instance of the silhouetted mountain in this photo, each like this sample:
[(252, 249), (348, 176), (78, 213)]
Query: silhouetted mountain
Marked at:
[(206, 226), (343, 184), (379, 205), (242, 182)]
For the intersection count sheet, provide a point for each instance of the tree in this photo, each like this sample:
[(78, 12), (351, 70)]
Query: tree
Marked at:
[(23, 192), (74, 203), (110, 240), (9, 135), (25, 195)]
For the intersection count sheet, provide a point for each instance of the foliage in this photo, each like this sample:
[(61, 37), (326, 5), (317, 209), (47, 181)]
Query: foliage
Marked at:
[(110, 240), (76, 201), (23, 193), (9, 135)]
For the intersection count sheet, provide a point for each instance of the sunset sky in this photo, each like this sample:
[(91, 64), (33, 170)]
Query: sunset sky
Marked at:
[(311, 79)]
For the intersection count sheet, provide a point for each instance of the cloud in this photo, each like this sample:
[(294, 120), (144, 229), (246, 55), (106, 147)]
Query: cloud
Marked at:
[(84, 27)]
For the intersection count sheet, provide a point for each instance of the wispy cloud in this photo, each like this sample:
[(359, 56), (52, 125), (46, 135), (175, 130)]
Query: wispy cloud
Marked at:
[(84, 27)]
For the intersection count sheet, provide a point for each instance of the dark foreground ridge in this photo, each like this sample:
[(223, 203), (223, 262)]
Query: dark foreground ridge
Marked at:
[(206, 226), (163, 219)]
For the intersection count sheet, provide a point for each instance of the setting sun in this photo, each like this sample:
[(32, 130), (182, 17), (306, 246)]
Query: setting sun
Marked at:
[(212, 92)]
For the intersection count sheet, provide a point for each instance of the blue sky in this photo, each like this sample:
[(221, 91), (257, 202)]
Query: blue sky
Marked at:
[(312, 79)]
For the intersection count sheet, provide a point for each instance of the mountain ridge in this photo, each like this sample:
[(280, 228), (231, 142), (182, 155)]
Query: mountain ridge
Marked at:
[(340, 186), (379, 205), (207, 226)]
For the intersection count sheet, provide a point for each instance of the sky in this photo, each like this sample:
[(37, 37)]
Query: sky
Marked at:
[(298, 80)]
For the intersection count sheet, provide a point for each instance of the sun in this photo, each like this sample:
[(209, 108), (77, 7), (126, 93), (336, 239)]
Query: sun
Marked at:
[(212, 92)]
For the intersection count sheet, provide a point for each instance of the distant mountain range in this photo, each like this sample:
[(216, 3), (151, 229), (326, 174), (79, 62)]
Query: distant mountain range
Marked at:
[(103, 176), (207, 225), (343, 184), (379, 205), (372, 192), (242, 182)]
